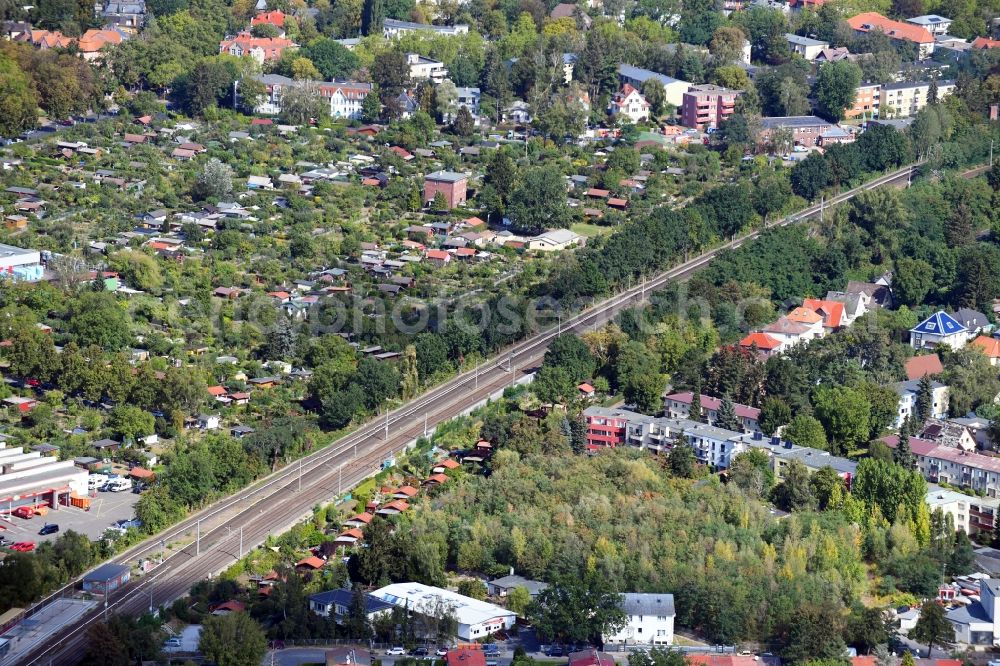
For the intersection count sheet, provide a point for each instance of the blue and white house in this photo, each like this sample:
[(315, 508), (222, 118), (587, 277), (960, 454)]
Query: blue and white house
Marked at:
[(939, 329)]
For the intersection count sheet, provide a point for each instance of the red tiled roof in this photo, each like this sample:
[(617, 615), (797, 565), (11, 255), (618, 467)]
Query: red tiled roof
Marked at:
[(141, 473), (275, 18), (217, 390), (869, 21), (586, 388), (448, 463), (831, 311), (437, 254), (918, 366), (436, 478), (363, 518), (466, 657), (989, 346), (354, 532), (399, 505), (761, 340), (713, 404), (409, 491), (720, 660), (985, 43), (312, 562), (598, 193), (232, 606)]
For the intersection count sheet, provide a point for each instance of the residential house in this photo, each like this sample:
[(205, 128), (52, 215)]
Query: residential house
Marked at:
[(336, 604), (556, 239), (501, 587), (450, 184), (833, 313), (126, 15), (573, 11), (985, 43), (636, 76), (932, 23), (422, 68), (707, 106), (261, 49), (919, 35), (939, 329), (343, 97), (468, 98), (908, 392), (678, 406), (649, 621), (630, 103), (974, 321), (276, 18), (804, 46), (925, 364), (764, 344), (990, 347), (978, 622), (948, 433), (790, 332), (518, 113)]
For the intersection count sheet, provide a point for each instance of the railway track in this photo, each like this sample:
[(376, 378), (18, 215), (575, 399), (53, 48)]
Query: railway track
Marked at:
[(216, 536)]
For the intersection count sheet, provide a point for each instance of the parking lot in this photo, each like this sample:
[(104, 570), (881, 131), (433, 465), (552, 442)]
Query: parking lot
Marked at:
[(105, 509)]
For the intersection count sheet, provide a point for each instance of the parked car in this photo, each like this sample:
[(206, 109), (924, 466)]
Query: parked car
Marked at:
[(396, 652), (441, 652), (555, 651), (26, 512), (5, 542), (419, 652), (23, 546), (48, 528), (172, 642)]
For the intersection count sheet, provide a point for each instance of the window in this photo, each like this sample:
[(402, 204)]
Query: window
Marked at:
[(661, 618)]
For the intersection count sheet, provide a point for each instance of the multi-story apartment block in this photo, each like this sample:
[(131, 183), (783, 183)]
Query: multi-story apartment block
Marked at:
[(906, 99), (392, 28), (344, 97), (678, 406), (716, 447), (707, 106), (873, 21), (947, 464), (908, 392), (867, 99)]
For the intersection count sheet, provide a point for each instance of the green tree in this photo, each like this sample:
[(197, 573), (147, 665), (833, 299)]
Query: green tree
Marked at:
[(680, 459), (232, 640), (825, 484), (539, 203), (883, 148), (726, 417), (103, 647), (810, 176), (963, 556), (815, 634), (868, 627), (751, 472), (890, 487), (18, 101), (332, 59), (130, 423), (912, 281), (656, 95), (794, 493), (464, 124), (933, 627), (806, 430), (215, 181), (835, 88), (845, 415), (391, 74), (925, 399), (577, 609), (774, 413), (519, 600)]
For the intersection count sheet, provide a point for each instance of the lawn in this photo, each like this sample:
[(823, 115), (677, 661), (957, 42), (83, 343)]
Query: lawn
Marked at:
[(590, 230)]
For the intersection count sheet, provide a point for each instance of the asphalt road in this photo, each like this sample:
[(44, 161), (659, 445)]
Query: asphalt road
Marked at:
[(270, 506)]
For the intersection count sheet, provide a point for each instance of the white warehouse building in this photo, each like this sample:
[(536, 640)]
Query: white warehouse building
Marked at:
[(476, 619)]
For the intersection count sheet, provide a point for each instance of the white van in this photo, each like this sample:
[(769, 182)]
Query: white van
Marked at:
[(120, 485), (95, 481)]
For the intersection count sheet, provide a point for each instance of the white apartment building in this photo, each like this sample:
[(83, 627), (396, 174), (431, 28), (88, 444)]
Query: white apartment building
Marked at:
[(649, 620), (343, 97), (908, 391), (422, 68), (900, 100), (391, 28)]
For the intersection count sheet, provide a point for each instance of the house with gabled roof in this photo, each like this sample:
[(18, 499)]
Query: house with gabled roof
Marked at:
[(765, 344), (630, 103), (939, 329), (832, 312), (990, 347)]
